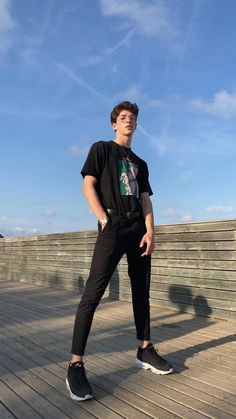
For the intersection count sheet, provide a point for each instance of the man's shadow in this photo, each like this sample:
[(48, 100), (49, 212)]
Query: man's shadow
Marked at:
[(182, 297)]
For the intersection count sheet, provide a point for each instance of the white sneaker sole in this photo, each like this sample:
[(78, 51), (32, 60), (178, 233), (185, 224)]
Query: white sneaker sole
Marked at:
[(74, 397), (147, 366)]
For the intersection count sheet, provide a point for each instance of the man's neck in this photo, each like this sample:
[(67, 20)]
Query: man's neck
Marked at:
[(123, 140)]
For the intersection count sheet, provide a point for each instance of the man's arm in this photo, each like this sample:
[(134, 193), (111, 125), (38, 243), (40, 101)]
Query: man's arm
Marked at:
[(92, 198), (148, 237)]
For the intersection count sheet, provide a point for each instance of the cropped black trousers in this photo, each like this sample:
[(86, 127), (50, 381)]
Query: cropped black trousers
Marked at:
[(120, 236)]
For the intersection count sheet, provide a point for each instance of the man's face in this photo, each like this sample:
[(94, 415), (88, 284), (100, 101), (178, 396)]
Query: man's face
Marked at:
[(125, 123)]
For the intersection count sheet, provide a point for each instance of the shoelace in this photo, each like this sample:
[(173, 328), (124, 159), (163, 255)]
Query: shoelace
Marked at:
[(154, 351), (80, 372)]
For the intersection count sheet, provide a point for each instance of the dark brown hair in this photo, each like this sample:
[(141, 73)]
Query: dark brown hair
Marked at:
[(124, 106)]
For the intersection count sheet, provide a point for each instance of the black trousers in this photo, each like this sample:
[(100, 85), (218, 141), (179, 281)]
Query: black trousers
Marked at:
[(120, 236)]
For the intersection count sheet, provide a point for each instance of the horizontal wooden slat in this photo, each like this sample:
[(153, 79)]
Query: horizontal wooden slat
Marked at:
[(197, 226)]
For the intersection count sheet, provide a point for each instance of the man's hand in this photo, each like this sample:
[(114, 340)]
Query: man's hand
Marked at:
[(148, 240), (103, 225)]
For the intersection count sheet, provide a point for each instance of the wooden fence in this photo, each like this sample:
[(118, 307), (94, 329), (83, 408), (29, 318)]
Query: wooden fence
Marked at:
[(193, 266)]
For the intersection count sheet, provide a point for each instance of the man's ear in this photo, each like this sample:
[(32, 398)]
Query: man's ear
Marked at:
[(113, 126)]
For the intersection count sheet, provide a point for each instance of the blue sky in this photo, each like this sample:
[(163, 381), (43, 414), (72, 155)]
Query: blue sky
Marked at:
[(65, 64)]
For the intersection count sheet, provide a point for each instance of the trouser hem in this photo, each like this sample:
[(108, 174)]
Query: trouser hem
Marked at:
[(143, 338)]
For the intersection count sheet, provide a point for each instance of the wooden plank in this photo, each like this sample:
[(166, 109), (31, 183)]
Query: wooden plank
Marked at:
[(200, 264), (192, 296), (221, 255), (216, 312), (70, 264), (197, 236), (164, 281), (75, 255), (187, 287), (212, 245), (4, 412), (30, 396), (188, 271), (196, 226), (16, 405)]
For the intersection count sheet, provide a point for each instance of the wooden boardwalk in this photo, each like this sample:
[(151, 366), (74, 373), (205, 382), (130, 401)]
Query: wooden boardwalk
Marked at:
[(36, 329)]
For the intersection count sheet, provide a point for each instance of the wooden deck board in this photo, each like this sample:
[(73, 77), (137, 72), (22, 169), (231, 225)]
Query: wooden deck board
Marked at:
[(36, 329)]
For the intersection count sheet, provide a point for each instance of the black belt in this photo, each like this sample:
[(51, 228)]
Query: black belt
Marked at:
[(129, 215)]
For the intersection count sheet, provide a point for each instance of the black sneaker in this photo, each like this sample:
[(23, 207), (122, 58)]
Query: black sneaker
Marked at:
[(148, 358), (77, 383)]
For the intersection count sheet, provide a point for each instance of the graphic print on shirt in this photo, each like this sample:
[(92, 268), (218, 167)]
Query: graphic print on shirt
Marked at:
[(128, 178)]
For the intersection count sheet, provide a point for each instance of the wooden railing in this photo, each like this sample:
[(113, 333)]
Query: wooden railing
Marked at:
[(193, 266)]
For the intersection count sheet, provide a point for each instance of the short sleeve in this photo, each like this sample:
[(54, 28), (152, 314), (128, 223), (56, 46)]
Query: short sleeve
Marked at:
[(143, 180), (93, 165)]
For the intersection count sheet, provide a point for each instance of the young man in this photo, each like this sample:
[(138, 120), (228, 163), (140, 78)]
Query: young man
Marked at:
[(117, 189)]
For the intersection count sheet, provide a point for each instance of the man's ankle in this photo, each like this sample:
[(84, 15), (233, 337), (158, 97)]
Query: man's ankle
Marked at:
[(76, 358), (144, 343)]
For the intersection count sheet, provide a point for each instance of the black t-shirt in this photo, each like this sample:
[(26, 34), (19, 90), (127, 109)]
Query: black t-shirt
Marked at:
[(121, 175)]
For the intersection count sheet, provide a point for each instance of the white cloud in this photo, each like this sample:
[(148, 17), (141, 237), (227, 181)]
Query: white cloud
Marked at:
[(217, 209), (132, 93), (6, 24), (223, 104), (153, 19), (176, 215), (169, 212), (50, 213), (187, 218), (155, 103), (20, 231), (76, 151)]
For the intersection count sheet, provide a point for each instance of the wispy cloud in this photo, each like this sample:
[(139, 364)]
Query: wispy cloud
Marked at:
[(217, 209), (154, 19), (77, 151), (159, 143), (169, 212), (97, 58), (156, 103), (50, 213), (69, 72), (135, 93), (19, 231), (132, 93), (223, 105), (123, 41), (176, 215), (190, 32), (34, 42), (6, 24)]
